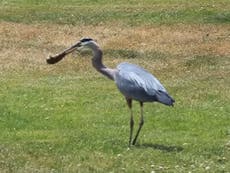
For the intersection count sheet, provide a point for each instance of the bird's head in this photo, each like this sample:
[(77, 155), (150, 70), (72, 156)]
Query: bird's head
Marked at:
[(86, 43)]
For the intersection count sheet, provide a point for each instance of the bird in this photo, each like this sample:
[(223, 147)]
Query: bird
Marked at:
[(133, 81)]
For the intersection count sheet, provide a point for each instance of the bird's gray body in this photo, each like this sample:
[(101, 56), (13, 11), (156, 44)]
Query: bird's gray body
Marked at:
[(136, 83)]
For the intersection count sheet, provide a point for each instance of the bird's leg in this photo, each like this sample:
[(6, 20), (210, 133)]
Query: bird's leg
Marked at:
[(140, 124), (129, 103)]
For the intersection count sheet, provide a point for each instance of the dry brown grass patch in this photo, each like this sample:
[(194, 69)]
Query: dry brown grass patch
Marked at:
[(26, 46)]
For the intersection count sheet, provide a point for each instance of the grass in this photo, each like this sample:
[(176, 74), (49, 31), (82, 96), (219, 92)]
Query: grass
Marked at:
[(69, 118), (106, 12)]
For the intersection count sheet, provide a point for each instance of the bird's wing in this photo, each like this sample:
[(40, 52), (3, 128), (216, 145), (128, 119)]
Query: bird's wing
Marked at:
[(137, 82)]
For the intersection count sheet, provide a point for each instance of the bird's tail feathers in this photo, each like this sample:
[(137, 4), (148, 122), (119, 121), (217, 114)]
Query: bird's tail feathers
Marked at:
[(165, 98)]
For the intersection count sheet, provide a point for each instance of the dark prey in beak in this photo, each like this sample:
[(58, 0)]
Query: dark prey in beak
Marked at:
[(58, 57)]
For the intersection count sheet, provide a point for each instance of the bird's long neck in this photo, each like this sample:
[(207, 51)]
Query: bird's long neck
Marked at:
[(99, 66)]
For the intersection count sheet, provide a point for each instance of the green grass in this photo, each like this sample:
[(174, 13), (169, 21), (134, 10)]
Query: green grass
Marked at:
[(106, 12), (69, 118), (72, 122)]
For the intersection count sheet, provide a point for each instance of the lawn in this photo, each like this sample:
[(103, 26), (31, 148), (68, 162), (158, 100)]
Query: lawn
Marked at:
[(69, 118)]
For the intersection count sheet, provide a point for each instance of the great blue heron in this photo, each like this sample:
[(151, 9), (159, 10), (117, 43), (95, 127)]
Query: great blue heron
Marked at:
[(134, 82)]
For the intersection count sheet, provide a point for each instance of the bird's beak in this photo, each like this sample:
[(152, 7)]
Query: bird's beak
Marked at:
[(72, 48), (56, 58)]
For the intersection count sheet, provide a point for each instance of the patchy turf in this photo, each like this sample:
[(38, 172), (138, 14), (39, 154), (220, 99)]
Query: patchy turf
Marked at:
[(69, 118)]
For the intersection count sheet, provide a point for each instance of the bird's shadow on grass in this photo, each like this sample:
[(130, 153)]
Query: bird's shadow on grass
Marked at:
[(161, 147)]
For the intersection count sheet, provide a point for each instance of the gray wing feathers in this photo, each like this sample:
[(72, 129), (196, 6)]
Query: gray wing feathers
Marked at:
[(137, 83), (165, 98)]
